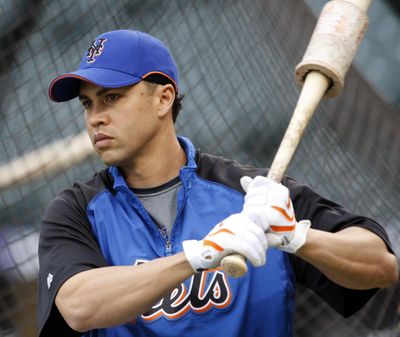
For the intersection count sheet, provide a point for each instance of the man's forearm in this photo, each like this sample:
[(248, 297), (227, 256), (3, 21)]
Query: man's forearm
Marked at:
[(110, 296), (354, 258)]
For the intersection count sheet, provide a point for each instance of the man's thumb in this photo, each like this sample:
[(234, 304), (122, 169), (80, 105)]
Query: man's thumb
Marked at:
[(245, 181)]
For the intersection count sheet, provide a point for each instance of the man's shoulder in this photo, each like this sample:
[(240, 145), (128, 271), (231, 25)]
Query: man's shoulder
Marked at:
[(99, 181), (224, 171), (82, 192), (229, 171)]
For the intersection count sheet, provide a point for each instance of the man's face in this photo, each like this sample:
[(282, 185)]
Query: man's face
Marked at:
[(122, 123)]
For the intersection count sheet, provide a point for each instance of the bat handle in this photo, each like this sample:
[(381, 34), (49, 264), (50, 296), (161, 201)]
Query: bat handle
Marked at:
[(234, 265)]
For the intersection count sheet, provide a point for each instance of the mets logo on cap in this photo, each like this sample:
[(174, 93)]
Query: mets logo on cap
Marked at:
[(95, 49)]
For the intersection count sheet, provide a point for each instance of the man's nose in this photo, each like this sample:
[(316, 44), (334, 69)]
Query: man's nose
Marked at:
[(98, 116)]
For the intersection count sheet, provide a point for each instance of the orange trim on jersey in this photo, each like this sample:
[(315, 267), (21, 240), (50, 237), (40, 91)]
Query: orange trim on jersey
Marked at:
[(229, 299), (204, 278), (181, 297), (163, 313), (205, 308), (155, 316), (283, 228), (217, 291), (188, 306), (213, 244), (175, 303), (179, 313), (212, 304)]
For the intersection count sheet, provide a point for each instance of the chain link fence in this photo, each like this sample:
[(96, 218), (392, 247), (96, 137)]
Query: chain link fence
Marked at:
[(236, 60)]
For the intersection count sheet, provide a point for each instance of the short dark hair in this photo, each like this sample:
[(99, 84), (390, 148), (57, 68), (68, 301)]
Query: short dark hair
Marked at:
[(177, 105)]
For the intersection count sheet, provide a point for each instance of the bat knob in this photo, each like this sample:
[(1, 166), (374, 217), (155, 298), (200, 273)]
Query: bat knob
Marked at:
[(234, 265)]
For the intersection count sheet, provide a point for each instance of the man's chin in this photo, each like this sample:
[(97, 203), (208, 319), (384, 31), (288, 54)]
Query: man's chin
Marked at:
[(108, 159), (113, 157)]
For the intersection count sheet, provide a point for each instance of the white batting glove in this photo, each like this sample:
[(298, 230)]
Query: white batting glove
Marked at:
[(268, 204), (236, 234)]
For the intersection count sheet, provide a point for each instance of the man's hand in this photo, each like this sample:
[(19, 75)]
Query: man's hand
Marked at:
[(236, 234), (268, 204)]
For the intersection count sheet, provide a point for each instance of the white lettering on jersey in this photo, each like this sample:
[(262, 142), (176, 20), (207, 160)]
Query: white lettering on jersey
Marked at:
[(49, 280)]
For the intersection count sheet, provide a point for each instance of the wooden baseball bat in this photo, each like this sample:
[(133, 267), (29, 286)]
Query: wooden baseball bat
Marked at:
[(330, 52)]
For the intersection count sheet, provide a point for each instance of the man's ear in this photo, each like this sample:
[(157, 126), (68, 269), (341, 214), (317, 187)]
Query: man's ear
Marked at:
[(167, 97)]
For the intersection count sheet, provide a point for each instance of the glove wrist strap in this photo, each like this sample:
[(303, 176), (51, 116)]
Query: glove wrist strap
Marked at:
[(299, 238), (192, 250)]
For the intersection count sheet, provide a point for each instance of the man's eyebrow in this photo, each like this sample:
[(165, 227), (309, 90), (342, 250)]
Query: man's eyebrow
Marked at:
[(98, 93), (101, 91)]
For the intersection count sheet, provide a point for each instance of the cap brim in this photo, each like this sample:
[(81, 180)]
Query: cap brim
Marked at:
[(66, 87)]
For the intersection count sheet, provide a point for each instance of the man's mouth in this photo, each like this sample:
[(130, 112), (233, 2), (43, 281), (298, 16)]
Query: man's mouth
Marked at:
[(102, 140)]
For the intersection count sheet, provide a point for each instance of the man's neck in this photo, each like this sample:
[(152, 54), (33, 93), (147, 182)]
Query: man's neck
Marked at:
[(157, 167)]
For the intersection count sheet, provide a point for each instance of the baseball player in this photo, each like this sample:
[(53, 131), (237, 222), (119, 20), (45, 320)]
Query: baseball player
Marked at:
[(136, 250)]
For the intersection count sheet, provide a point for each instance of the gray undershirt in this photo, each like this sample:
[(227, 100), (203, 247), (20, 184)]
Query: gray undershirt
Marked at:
[(161, 204)]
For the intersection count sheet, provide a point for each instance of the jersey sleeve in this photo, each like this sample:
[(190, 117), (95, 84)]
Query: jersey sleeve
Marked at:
[(67, 246), (328, 216)]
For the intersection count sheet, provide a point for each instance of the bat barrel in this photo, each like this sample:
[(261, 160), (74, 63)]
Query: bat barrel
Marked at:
[(337, 35)]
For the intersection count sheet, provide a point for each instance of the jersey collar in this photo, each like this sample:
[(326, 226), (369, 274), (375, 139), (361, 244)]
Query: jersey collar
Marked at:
[(190, 166)]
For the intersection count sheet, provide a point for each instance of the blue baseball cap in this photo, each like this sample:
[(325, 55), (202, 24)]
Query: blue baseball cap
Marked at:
[(116, 59)]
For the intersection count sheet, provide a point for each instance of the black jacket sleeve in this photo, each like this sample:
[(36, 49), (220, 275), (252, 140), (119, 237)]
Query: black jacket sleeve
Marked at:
[(328, 216), (67, 246), (308, 205)]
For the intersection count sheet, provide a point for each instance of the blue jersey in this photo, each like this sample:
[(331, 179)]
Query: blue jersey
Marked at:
[(114, 229)]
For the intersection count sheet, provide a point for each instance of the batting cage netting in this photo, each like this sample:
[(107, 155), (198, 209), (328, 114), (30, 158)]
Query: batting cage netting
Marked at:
[(236, 60)]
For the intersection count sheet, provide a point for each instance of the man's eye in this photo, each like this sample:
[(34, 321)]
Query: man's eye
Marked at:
[(86, 104), (109, 98)]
